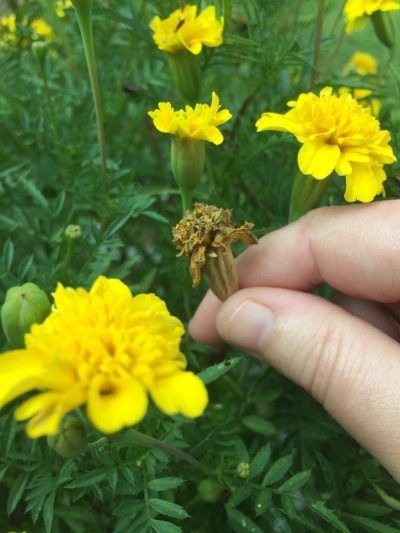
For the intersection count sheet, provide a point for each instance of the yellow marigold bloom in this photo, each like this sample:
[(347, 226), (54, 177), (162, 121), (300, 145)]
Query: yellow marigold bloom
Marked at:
[(357, 11), (199, 123), (184, 29), (61, 7), (340, 135), (362, 64), (9, 30), (106, 349), (42, 30)]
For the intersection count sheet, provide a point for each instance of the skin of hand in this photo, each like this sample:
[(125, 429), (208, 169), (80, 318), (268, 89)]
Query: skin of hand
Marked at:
[(346, 354)]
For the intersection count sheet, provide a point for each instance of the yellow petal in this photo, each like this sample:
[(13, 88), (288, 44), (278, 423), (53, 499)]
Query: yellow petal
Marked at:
[(276, 122), (47, 411), (114, 404), (20, 372), (364, 183), (112, 287), (318, 160), (183, 393)]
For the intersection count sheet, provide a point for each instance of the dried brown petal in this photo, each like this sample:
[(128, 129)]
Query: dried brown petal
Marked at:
[(204, 236)]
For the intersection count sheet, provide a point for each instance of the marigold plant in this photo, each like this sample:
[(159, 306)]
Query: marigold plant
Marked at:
[(357, 11)]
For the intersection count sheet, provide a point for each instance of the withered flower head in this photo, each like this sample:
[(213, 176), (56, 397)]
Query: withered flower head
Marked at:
[(204, 236)]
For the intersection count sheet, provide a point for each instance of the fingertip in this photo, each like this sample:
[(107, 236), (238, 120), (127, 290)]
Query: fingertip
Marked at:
[(202, 327)]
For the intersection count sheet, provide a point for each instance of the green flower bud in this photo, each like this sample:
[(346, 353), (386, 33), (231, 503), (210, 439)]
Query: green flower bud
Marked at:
[(24, 306), (70, 440), (243, 470), (384, 28), (40, 49), (210, 490), (186, 72), (73, 232), (187, 160)]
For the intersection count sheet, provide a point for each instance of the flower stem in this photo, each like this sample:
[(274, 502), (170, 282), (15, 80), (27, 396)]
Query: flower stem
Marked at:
[(318, 39), (131, 437), (187, 198), (83, 10)]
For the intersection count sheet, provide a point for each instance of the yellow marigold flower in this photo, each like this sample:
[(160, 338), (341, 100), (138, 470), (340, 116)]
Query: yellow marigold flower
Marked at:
[(184, 29), (362, 64), (340, 135), (199, 123), (42, 30), (357, 11), (62, 6), (106, 349), (9, 30)]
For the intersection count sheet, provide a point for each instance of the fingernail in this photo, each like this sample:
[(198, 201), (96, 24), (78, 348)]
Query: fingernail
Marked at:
[(247, 326)]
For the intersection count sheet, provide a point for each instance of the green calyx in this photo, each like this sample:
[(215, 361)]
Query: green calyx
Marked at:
[(23, 306), (187, 161), (186, 73), (70, 440)]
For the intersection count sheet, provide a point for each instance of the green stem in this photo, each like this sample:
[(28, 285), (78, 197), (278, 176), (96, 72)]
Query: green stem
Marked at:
[(306, 194), (318, 39), (68, 255), (131, 437), (334, 54), (187, 197), (83, 10)]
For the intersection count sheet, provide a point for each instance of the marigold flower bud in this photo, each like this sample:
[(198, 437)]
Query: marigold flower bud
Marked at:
[(243, 470), (186, 73), (204, 237), (70, 440), (40, 49), (73, 232), (210, 490), (384, 28), (187, 160), (23, 306)]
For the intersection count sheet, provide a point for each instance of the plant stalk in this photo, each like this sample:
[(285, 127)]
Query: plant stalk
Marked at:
[(83, 10), (318, 39)]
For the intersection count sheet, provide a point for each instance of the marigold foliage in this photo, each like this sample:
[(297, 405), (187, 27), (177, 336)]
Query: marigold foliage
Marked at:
[(357, 11), (199, 123), (184, 29), (106, 349), (338, 135)]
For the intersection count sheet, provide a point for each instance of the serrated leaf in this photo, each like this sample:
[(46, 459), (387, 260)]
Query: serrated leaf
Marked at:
[(278, 470), (48, 512), (167, 508), (240, 495), (260, 461), (296, 481), (212, 373), (372, 526), (24, 267), (91, 478), (165, 483), (8, 254), (240, 522), (161, 526), (156, 216), (259, 425), (16, 492), (329, 516), (263, 501)]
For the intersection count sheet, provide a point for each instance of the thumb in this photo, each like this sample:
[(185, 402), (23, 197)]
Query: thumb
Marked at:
[(346, 364)]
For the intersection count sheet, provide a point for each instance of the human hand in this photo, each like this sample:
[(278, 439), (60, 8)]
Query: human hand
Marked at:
[(346, 353)]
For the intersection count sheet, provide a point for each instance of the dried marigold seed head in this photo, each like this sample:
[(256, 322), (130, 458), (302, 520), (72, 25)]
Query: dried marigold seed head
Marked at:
[(204, 236)]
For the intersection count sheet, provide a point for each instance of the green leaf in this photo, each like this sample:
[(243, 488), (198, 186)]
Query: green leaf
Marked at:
[(91, 478), (167, 508), (389, 500), (260, 461), (165, 483), (278, 470), (24, 267), (48, 512), (240, 522), (259, 425), (212, 373), (240, 495), (372, 526), (295, 482), (329, 516), (8, 254), (263, 501), (160, 526), (16, 492)]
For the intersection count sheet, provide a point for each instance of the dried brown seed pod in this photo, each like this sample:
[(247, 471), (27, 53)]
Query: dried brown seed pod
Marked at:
[(204, 236)]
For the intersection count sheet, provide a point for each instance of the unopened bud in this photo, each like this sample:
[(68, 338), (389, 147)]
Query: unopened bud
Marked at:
[(70, 440), (24, 306), (186, 72), (243, 470), (187, 160), (384, 28), (73, 232), (40, 49), (210, 490)]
